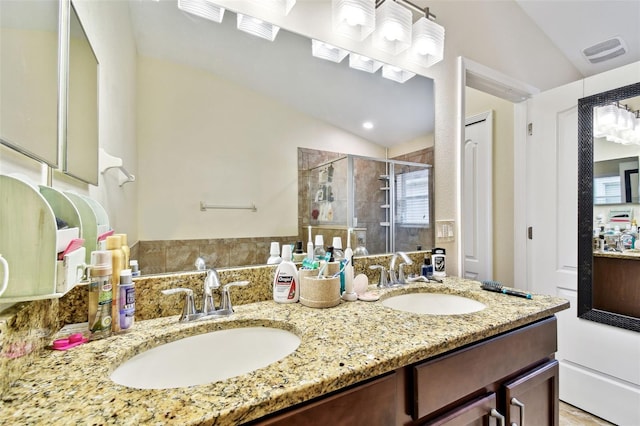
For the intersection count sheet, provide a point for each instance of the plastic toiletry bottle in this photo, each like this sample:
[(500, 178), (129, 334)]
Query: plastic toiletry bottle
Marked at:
[(114, 245), (285, 281), (298, 254), (126, 300), (427, 268), (438, 257), (135, 269), (310, 255), (100, 294), (125, 250), (318, 250), (274, 257)]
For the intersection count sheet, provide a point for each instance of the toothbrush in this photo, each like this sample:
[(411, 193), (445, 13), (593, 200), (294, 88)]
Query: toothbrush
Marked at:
[(498, 288), (310, 246), (342, 269), (349, 294)]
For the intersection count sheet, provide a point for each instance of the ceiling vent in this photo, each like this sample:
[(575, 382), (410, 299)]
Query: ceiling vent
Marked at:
[(605, 50)]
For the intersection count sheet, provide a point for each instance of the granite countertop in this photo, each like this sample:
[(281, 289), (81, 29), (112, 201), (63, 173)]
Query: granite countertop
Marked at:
[(627, 254), (339, 347)]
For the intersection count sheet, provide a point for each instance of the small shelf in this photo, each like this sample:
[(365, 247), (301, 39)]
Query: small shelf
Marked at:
[(385, 188), (385, 206), (383, 177), (385, 224)]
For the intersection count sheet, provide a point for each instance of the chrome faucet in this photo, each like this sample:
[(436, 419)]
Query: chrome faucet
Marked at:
[(211, 282), (209, 310), (382, 282), (400, 279)]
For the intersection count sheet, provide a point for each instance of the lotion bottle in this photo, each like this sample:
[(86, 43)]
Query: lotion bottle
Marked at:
[(285, 282)]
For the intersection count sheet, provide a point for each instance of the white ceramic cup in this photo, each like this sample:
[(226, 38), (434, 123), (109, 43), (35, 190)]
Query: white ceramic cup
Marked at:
[(5, 270)]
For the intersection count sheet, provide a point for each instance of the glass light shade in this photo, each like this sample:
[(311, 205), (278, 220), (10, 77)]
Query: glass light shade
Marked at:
[(323, 50), (257, 27), (355, 19), (396, 74), (362, 63), (393, 28), (427, 46), (280, 6), (202, 8), (606, 118)]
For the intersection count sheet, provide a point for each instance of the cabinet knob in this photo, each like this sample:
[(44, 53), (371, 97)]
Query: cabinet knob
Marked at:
[(514, 401)]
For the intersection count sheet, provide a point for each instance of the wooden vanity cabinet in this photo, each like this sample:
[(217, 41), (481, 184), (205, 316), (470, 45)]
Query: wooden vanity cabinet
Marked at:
[(480, 384)]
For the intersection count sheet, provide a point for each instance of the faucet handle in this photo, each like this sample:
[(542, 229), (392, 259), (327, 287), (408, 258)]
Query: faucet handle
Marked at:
[(383, 275), (401, 278), (225, 304), (189, 307)]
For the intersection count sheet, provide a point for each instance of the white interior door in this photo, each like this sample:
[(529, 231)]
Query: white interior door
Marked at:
[(477, 197), (599, 364)]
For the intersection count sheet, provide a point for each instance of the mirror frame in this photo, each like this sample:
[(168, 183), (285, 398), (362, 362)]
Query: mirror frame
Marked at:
[(585, 208)]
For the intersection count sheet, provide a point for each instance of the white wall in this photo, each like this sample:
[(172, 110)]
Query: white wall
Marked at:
[(477, 102), (228, 146), (108, 28)]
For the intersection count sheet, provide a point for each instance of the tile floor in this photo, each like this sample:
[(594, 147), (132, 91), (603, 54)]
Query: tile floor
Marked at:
[(572, 416)]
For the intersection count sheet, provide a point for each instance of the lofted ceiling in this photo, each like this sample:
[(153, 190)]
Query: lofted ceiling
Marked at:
[(573, 25), (345, 98), (285, 70)]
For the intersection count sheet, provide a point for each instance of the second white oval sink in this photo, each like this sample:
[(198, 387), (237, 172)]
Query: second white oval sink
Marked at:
[(433, 303), (206, 358)]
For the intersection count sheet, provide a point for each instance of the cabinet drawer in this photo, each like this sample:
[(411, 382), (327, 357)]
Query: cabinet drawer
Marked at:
[(368, 404), (440, 382)]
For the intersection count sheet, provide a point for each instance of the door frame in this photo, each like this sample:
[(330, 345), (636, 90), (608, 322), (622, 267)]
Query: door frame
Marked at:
[(480, 77)]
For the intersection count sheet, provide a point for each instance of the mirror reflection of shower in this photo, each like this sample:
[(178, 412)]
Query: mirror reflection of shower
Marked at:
[(387, 203)]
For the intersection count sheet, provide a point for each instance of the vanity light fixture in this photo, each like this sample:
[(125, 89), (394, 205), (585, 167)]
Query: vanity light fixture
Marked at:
[(257, 27), (617, 123), (202, 8), (363, 63), (355, 19), (393, 28), (323, 50), (367, 125), (397, 74), (427, 47)]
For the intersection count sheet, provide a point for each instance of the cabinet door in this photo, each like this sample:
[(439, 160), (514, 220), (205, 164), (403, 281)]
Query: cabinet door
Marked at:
[(532, 399), (479, 412)]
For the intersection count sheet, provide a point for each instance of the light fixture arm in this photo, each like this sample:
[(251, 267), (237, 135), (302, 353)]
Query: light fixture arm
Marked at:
[(412, 5)]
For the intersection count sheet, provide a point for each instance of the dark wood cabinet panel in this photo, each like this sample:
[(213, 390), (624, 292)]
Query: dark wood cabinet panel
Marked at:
[(534, 396), (616, 285), (466, 387), (374, 401), (445, 380)]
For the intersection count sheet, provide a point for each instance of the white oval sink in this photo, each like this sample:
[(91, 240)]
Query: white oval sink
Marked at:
[(206, 358), (433, 303)]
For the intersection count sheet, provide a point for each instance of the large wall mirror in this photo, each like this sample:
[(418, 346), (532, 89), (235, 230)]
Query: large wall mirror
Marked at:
[(228, 111), (80, 145), (608, 207), (29, 42)]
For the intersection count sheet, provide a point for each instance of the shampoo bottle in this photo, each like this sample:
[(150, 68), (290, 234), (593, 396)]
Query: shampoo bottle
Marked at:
[(100, 295), (114, 245), (285, 282)]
